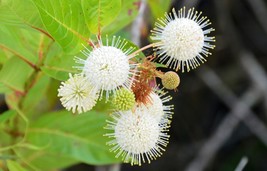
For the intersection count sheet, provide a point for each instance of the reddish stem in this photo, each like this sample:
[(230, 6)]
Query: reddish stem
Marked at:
[(21, 57), (142, 49), (42, 31)]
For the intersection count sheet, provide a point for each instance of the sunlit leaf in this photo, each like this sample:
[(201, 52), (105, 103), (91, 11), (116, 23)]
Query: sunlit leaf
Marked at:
[(128, 13), (19, 13), (44, 160), (99, 13), (75, 136), (23, 43), (159, 7), (4, 58), (64, 20), (7, 115), (35, 98), (58, 65), (4, 89), (14, 166), (15, 74)]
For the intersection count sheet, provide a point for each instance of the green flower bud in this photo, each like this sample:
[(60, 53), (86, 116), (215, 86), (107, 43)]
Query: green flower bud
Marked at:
[(123, 100), (170, 80)]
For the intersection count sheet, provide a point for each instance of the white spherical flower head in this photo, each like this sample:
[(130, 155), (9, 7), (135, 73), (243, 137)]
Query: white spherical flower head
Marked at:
[(77, 94), (156, 107), (182, 39), (107, 67), (137, 136)]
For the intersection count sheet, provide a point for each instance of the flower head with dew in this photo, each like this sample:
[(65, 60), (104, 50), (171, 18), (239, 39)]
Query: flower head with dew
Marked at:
[(181, 39), (137, 136), (107, 66), (156, 106), (77, 94)]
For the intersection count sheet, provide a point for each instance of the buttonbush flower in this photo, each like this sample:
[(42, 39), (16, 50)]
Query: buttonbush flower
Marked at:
[(156, 106), (123, 100), (138, 137), (77, 94), (181, 39), (170, 80), (107, 66)]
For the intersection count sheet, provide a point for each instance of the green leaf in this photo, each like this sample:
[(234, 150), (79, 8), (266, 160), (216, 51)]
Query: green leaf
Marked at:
[(58, 65), (79, 137), (44, 160), (128, 13), (6, 157), (64, 20), (31, 102), (4, 57), (99, 13), (7, 115), (5, 137), (160, 65), (159, 7), (14, 166), (15, 74), (23, 43), (19, 13), (4, 89), (52, 92)]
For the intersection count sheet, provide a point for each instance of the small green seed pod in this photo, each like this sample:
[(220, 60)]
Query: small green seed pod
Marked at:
[(170, 80), (123, 100)]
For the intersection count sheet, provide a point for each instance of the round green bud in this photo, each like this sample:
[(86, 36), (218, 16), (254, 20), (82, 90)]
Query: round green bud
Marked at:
[(170, 80), (123, 99)]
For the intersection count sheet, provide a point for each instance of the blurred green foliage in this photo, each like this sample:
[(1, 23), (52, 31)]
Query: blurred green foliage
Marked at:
[(38, 40)]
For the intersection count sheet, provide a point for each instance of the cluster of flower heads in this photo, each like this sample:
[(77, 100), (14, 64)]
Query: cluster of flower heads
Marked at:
[(138, 127)]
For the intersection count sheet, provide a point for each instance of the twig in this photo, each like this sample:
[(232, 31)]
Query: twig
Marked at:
[(141, 49), (243, 162), (137, 24), (240, 111), (256, 73), (260, 10), (113, 167), (223, 131), (240, 108)]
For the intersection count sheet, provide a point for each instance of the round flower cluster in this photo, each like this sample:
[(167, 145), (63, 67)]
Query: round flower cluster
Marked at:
[(77, 94), (123, 100), (107, 67), (140, 135), (140, 121), (181, 39)]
